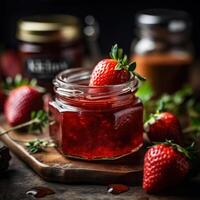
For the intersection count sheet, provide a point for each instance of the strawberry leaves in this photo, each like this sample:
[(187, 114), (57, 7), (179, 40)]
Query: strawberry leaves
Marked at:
[(187, 151), (181, 103), (38, 145), (117, 54), (38, 121), (132, 66), (12, 83)]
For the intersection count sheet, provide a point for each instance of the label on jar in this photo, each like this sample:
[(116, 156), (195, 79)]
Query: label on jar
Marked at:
[(45, 68)]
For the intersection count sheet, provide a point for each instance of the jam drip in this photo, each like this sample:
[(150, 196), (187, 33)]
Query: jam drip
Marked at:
[(117, 188), (39, 192)]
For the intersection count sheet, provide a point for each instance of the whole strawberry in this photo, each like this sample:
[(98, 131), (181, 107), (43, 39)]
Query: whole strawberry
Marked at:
[(162, 126), (165, 166), (21, 102), (115, 70)]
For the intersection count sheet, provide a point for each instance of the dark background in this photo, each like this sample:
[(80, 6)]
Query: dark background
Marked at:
[(116, 19)]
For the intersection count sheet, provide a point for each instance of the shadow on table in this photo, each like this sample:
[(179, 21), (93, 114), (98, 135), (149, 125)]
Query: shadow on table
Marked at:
[(187, 190), (8, 174)]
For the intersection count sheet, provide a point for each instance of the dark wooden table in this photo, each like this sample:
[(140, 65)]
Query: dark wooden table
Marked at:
[(19, 178)]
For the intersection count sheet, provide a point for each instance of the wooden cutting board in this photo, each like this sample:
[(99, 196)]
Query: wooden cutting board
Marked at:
[(51, 165)]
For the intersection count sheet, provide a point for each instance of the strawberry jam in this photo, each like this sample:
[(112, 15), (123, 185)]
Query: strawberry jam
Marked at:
[(104, 122)]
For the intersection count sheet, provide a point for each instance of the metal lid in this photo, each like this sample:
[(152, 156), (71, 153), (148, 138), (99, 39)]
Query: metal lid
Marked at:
[(51, 28), (174, 20)]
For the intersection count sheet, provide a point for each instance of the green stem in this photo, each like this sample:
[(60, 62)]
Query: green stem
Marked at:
[(36, 120)]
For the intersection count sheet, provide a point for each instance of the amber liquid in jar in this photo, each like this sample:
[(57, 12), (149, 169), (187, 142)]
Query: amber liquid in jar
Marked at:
[(106, 126), (166, 72), (163, 49)]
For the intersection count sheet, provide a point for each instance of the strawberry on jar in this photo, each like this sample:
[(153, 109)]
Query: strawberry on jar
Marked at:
[(114, 70)]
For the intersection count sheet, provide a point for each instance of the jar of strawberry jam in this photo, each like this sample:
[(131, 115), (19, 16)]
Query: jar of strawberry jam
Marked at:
[(104, 122), (49, 45)]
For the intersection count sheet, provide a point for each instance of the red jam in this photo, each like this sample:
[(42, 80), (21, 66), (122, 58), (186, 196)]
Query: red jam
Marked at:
[(117, 188), (95, 123)]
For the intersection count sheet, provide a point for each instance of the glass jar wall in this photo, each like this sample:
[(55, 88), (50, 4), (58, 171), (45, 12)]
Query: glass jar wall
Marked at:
[(95, 122)]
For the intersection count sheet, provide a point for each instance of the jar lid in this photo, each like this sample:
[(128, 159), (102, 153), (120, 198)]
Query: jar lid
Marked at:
[(51, 28), (174, 20)]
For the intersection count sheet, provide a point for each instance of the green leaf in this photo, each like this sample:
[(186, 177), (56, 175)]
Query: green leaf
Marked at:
[(125, 60), (120, 54), (188, 151), (18, 80), (118, 66), (114, 52), (39, 114), (38, 145), (132, 66), (195, 122), (40, 119), (12, 83), (139, 76), (33, 82), (161, 107), (151, 120), (145, 91), (122, 59), (33, 114)]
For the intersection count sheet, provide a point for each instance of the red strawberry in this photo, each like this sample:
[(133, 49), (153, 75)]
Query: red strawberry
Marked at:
[(21, 102), (165, 166), (115, 70), (10, 63), (164, 126), (104, 73)]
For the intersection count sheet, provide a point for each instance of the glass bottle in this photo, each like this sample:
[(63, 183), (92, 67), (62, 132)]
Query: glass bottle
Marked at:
[(163, 49), (48, 45)]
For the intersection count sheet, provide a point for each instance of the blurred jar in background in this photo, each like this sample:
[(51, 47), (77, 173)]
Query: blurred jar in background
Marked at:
[(163, 49), (48, 45)]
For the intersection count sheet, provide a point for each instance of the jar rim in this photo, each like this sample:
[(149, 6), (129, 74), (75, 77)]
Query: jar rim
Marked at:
[(65, 82)]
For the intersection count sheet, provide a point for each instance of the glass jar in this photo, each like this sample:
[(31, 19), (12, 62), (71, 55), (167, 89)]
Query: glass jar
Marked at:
[(104, 122), (163, 49), (48, 45)]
